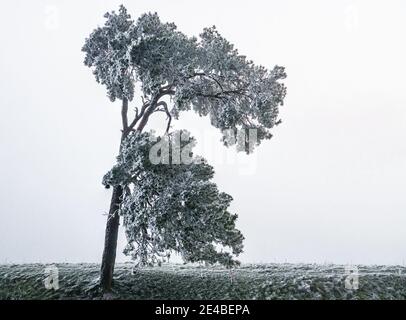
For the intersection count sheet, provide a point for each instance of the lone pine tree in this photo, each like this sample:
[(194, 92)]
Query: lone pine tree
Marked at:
[(175, 208)]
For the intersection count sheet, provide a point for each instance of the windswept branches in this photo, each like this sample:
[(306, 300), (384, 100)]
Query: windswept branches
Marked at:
[(207, 74), (234, 92), (172, 207)]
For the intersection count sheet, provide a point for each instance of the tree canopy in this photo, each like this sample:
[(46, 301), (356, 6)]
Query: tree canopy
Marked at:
[(206, 74)]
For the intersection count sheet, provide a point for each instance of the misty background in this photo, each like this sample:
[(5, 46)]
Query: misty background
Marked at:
[(329, 187)]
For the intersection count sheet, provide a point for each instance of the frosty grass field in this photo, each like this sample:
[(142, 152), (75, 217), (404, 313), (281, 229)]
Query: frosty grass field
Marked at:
[(175, 281)]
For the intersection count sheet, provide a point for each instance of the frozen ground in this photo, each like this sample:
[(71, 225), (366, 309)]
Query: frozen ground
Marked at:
[(259, 281)]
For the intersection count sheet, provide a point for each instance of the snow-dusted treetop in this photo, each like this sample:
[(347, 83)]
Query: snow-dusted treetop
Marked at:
[(205, 74), (172, 207)]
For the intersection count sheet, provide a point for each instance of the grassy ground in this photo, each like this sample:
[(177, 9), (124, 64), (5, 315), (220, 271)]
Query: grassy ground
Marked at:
[(261, 281)]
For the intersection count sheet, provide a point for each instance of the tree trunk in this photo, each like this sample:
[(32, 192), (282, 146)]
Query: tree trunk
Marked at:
[(110, 241), (113, 220)]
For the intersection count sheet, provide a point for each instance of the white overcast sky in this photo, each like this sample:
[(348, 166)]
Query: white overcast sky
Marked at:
[(329, 187)]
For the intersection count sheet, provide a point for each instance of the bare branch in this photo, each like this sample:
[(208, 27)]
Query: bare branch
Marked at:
[(165, 109), (223, 93), (144, 118), (136, 112), (138, 116), (151, 107), (202, 74)]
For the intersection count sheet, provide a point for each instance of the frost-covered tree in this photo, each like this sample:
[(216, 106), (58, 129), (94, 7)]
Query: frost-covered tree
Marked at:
[(170, 207), (176, 73)]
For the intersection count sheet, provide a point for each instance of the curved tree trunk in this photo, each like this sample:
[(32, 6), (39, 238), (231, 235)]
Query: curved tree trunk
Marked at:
[(110, 242)]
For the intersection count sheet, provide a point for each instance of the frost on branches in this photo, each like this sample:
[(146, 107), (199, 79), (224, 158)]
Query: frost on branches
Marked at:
[(206, 74), (174, 206), (170, 208)]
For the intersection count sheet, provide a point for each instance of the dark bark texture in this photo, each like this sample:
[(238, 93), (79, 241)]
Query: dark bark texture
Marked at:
[(113, 221), (110, 242)]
